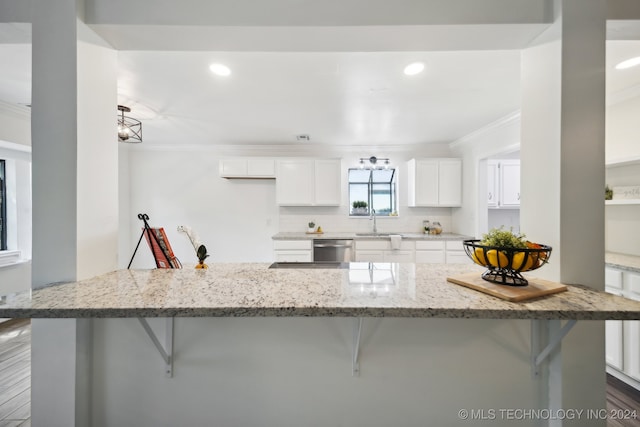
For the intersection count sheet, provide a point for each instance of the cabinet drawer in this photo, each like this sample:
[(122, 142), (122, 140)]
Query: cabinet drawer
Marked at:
[(398, 256), (429, 245), (293, 256), (613, 278), (454, 245), (292, 244)]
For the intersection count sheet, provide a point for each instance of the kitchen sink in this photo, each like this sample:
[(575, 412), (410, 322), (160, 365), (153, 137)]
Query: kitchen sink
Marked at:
[(375, 234)]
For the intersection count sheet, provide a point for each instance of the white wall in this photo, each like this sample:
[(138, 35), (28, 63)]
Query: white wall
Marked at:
[(622, 222), (290, 372), (499, 137), (236, 218)]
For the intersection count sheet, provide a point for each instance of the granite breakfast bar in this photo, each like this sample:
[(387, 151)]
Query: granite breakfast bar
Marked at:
[(257, 333)]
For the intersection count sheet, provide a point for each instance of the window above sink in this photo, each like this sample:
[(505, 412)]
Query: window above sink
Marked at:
[(371, 189)]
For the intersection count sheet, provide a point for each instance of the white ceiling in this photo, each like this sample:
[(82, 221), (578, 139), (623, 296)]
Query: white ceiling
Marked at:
[(337, 97)]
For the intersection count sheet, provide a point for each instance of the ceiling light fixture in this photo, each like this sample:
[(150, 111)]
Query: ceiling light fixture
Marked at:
[(414, 68), (129, 129), (220, 70), (373, 163), (628, 63)]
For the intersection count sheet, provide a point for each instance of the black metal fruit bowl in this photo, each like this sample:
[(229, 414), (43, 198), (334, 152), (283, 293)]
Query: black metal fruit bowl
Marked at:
[(504, 265)]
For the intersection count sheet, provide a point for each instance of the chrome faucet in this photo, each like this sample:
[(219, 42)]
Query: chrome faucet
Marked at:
[(373, 217)]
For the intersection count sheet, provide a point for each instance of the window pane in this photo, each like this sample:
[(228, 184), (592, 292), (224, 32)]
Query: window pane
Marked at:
[(377, 188)]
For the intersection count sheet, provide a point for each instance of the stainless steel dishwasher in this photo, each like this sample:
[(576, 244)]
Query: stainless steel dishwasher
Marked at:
[(332, 250)]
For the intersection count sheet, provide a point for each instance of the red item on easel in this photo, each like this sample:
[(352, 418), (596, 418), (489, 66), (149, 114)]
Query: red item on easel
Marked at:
[(161, 248)]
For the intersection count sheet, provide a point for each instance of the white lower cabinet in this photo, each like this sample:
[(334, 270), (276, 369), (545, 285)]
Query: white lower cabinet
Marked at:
[(293, 250), (419, 251), (455, 253), (430, 252), (380, 251), (622, 345)]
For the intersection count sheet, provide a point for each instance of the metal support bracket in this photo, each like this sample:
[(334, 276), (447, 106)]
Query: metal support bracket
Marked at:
[(554, 339), (166, 351), (355, 364)]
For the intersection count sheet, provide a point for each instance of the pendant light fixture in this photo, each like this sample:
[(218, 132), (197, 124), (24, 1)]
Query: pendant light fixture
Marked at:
[(129, 129), (373, 163)]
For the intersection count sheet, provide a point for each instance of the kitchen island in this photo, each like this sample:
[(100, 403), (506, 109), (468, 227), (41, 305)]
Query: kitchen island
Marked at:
[(376, 344)]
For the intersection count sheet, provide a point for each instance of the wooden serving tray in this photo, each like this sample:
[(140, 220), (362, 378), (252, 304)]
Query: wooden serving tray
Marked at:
[(535, 289)]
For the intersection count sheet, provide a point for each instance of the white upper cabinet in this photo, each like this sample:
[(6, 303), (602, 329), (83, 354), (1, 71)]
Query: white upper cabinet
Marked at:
[(510, 183), (247, 168), (307, 182), (503, 183), (434, 182), (328, 182)]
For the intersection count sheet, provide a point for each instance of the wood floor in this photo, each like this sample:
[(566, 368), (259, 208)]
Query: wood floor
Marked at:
[(15, 373), (15, 382)]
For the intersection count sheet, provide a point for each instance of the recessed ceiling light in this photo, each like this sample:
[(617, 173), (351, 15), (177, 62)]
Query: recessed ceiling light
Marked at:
[(414, 68), (628, 63), (220, 69)]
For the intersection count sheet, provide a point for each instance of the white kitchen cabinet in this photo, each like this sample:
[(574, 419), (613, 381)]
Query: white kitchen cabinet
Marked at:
[(503, 183), (379, 250), (434, 182), (430, 252), (293, 250), (328, 182), (455, 253), (307, 182), (622, 351), (247, 168), (613, 328)]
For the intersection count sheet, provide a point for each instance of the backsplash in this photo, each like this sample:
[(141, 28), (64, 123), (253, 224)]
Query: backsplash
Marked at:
[(296, 219)]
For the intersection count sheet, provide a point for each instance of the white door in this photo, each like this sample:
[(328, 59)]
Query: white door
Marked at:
[(294, 183)]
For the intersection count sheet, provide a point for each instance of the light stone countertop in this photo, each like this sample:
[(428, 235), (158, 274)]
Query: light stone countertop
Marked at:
[(622, 261), (252, 289), (353, 235)]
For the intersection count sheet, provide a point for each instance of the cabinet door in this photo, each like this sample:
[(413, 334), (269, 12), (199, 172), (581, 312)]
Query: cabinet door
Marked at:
[(233, 168), (265, 168), (450, 182), (328, 182), (294, 183), (430, 257), (510, 183), (398, 256), (426, 185), (613, 343), (492, 184)]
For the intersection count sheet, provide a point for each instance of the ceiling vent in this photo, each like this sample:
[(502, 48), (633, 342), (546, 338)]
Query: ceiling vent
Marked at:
[(303, 138)]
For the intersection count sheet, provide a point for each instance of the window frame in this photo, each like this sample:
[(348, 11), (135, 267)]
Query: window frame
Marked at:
[(393, 193)]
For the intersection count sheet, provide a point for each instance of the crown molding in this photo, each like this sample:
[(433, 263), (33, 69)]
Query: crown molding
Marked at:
[(20, 111), (491, 127), (286, 150)]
